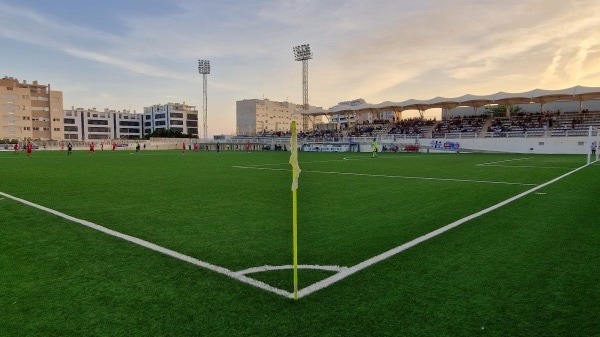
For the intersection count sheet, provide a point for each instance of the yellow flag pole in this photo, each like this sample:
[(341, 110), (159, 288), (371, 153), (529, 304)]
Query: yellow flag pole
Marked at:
[(295, 240), (295, 175)]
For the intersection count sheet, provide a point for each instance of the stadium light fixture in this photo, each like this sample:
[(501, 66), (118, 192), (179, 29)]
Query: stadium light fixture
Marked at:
[(204, 69), (303, 53)]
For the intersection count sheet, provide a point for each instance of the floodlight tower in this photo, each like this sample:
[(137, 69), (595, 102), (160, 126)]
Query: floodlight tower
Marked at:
[(303, 53), (204, 69)]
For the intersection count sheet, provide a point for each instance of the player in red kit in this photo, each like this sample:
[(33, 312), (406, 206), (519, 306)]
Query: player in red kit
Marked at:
[(29, 149)]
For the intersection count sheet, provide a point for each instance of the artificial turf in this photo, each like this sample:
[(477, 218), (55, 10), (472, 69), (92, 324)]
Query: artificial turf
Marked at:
[(525, 269)]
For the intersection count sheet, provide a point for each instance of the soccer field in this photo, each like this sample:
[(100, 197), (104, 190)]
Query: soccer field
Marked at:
[(515, 252)]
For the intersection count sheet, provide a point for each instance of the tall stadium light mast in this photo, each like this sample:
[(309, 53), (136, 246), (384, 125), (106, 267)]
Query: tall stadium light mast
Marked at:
[(303, 53), (204, 69)]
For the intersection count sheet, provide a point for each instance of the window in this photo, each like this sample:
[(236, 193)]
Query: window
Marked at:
[(98, 129), (69, 121), (56, 129), (97, 122)]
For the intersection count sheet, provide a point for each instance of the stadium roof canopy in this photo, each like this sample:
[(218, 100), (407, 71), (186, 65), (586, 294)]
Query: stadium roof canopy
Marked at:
[(539, 96)]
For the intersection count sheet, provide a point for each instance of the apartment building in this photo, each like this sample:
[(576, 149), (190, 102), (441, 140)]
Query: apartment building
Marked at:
[(260, 116), (94, 125), (175, 116), (30, 111)]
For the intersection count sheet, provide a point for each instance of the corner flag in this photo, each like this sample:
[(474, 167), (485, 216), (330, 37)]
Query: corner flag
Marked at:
[(295, 175)]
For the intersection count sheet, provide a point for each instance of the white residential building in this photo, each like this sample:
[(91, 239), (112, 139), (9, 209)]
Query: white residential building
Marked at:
[(94, 125), (174, 116)]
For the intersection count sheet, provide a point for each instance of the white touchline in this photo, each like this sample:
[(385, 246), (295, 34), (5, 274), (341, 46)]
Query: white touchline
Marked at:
[(528, 166), (390, 176), (367, 263), (157, 248), (502, 161)]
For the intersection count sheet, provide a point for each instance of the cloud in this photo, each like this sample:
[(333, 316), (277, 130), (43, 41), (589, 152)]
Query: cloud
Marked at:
[(377, 50)]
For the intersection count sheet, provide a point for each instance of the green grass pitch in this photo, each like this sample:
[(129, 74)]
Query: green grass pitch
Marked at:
[(529, 268)]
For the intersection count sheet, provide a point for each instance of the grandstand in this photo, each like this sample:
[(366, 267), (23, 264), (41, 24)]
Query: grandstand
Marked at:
[(541, 117)]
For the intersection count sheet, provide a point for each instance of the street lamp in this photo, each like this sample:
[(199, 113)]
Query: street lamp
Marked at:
[(204, 69), (303, 53)]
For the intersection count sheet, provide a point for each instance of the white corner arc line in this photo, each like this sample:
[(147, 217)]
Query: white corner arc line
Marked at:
[(157, 248), (289, 266), (378, 258)]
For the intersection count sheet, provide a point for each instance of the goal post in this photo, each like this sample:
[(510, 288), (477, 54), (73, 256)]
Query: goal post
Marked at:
[(593, 144)]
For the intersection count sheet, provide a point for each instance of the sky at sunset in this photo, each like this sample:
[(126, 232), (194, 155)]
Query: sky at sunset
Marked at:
[(127, 54)]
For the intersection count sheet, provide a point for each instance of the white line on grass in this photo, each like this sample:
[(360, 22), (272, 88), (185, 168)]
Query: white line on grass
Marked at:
[(527, 166), (376, 259), (502, 161), (285, 267), (496, 164), (157, 248), (390, 176)]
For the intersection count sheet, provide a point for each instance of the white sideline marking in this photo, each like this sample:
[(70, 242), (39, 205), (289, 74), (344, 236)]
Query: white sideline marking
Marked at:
[(390, 176), (285, 267), (502, 161), (304, 162), (157, 248), (367, 263), (528, 166)]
